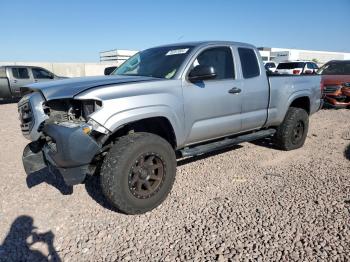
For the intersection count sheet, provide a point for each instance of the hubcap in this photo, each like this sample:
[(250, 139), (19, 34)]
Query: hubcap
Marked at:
[(146, 175), (298, 132)]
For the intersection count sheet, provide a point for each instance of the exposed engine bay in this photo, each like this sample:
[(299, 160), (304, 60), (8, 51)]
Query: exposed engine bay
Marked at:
[(69, 110)]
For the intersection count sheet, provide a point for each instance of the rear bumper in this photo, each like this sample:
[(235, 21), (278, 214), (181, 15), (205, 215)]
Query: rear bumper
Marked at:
[(70, 154)]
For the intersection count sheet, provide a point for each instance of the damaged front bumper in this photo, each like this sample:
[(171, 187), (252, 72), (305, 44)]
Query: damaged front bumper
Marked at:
[(340, 98), (69, 150)]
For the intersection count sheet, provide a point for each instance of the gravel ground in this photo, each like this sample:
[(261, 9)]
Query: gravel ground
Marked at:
[(252, 202)]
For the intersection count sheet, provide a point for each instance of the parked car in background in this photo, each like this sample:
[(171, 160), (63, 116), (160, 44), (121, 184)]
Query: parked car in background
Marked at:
[(270, 66), (297, 68), (109, 70), (336, 83), (14, 77)]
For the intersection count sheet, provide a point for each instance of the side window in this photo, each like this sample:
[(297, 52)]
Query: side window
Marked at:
[(220, 58), (249, 62), (20, 73), (40, 73)]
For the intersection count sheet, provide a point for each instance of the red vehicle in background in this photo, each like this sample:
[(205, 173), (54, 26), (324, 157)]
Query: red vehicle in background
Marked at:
[(336, 83)]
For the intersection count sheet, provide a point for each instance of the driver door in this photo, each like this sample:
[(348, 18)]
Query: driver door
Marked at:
[(19, 76), (213, 107)]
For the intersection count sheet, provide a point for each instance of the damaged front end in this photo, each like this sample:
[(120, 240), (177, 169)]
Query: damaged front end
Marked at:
[(337, 96), (64, 136)]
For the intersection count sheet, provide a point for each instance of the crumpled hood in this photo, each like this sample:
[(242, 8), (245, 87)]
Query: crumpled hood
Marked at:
[(68, 88)]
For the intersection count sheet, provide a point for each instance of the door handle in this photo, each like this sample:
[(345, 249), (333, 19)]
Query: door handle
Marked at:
[(235, 90)]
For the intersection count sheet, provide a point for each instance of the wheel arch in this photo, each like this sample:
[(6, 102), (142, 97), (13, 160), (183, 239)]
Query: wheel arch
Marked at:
[(159, 125), (302, 101)]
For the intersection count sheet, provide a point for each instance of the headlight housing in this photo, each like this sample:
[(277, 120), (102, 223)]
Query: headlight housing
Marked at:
[(89, 107), (94, 126), (331, 88)]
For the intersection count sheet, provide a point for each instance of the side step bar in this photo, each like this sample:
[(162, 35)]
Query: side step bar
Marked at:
[(206, 148)]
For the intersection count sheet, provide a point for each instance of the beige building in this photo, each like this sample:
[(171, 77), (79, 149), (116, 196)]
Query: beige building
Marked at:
[(69, 69)]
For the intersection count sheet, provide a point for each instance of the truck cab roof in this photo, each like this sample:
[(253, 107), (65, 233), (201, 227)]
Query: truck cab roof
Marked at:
[(207, 43), (22, 66)]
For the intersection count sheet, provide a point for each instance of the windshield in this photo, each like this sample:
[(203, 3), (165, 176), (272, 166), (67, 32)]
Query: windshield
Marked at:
[(290, 65), (159, 62), (335, 68)]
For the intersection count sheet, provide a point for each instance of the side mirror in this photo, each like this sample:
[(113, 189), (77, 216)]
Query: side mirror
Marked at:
[(109, 70), (202, 72)]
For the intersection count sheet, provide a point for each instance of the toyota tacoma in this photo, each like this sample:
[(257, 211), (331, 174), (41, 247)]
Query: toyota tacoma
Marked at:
[(162, 104)]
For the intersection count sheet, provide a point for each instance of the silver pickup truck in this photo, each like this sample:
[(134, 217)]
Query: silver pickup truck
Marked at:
[(12, 78), (162, 104)]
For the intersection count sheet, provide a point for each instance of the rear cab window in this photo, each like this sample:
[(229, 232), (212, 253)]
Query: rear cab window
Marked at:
[(249, 62), (291, 65), (20, 72), (310, 66)]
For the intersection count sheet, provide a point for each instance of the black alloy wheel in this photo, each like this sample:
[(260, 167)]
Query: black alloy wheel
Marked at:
[(298, 132), (146, 175)]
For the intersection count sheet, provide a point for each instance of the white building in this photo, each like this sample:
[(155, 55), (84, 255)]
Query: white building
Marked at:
[(285, 54), (116, 56), (265, 55)]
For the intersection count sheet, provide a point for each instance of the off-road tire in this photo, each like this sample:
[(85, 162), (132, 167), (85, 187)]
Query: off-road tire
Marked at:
[(285, 134), (117, 167)]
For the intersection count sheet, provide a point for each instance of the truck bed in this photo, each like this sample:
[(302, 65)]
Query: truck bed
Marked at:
[(285, 88)]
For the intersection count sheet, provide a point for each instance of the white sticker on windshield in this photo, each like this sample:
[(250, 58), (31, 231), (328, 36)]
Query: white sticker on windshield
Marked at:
[(177, 51)]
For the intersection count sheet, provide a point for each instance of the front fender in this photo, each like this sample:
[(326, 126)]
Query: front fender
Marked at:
[(124, 104), (122, 118)]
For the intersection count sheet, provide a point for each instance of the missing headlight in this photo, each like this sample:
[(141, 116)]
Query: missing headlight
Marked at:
[(90, 106), (70, 110)]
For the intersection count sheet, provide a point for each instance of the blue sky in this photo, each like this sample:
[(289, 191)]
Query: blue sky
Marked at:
[(72, 31)]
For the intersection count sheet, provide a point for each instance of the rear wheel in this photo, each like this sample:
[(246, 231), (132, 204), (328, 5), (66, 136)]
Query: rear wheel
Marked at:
[(138, 172), (291, 134)]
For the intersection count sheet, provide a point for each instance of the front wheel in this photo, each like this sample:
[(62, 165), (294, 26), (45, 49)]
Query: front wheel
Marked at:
[(291, 134), (138, 172)]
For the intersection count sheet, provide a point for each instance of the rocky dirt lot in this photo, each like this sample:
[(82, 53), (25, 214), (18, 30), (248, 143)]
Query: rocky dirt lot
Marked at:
[(252, 202)]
